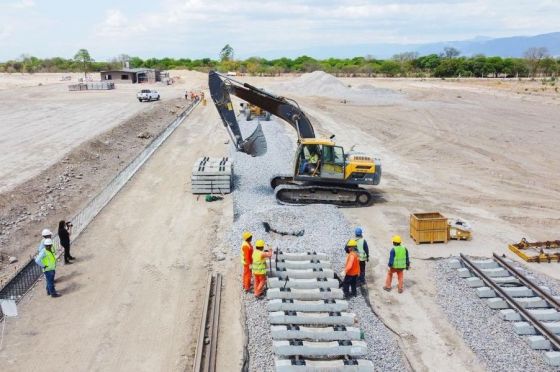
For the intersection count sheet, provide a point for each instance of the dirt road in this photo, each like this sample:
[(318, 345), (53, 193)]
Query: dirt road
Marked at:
[(132, 300)]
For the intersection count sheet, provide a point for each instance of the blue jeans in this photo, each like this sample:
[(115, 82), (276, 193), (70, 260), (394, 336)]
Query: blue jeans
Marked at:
[(49, 277)]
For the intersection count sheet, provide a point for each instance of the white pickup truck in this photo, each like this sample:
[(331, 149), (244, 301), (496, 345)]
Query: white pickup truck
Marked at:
[(147, 95)]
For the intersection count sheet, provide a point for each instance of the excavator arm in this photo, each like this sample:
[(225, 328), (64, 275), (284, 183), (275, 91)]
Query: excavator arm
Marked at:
[(220, 89)]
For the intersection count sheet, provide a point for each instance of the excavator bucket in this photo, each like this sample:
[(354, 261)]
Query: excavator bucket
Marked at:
[(255, 144)]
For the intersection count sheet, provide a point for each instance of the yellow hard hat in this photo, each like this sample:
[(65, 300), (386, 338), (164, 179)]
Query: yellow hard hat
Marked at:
[(352, 243), (259, 243), (247, 235), (397, 239)]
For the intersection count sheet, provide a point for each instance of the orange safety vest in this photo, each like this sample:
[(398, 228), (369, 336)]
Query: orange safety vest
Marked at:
[(246, 253), (352, 264)]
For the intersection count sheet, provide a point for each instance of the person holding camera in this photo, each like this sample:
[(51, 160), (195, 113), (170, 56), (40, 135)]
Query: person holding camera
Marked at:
[(64, 232)]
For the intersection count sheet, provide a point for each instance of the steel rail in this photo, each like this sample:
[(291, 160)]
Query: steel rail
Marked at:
[(555, 341), (207, 344), (535, 288)]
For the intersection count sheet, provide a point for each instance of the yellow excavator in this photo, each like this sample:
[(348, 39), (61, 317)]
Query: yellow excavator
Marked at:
[(323, 172), (253, 111)]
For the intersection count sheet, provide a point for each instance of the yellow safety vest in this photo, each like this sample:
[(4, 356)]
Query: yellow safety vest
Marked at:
[(399, 262), (49, 261), (361, 252), (259, 263)]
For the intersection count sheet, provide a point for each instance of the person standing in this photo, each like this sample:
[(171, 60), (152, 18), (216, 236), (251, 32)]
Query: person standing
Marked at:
[(47, 260), (363, 254), (246, 260), (64, 236), (398, 262), (351, 269), (259, 267)]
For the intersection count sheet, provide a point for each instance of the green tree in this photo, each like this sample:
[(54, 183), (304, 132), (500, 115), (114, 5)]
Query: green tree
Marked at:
[(84, 59), (226, 54), (450, 52), (534, 56)]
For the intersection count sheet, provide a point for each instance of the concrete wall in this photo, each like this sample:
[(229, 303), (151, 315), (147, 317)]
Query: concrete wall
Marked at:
[(118, 76)]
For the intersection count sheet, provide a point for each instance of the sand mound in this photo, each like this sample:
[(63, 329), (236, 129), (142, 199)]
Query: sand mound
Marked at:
[(317, 83)]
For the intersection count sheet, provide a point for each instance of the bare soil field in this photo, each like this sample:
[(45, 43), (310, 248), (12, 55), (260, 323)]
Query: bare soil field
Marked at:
[(484, 151)]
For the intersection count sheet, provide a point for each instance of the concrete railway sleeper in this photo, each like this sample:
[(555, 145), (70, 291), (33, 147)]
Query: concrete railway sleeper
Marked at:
[(534, 311), (311, 325)]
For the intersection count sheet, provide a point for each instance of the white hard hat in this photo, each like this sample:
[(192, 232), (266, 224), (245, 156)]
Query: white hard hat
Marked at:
[(48, 242), (46, 232)]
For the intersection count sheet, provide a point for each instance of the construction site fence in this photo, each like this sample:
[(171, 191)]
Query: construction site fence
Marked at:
[(103, 85), (24, 278)]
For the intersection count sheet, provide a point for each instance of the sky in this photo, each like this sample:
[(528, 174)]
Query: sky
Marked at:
[(275, 28)]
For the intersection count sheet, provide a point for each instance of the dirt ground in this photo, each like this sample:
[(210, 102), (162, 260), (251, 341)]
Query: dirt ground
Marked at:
[(484, 151), (135, 291)]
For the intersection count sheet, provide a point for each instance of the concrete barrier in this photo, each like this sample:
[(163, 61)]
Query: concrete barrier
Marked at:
[(338, 365), (295, 317), (319, 349), (310, 306), (295, 332), (305, 294), (302, 283)]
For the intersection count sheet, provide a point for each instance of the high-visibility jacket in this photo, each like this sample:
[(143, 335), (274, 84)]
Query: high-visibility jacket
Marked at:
[(246, 253), (259, 262), (49, 261), (313, 158), (361, 252), (399, 261), (352, 267)]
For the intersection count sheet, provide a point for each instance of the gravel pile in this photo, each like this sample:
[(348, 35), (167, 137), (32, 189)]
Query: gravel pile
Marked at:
[(492, 339), (325, 230), (319, 83)]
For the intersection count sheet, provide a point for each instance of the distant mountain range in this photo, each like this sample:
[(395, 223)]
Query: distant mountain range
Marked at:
[(513, 46)]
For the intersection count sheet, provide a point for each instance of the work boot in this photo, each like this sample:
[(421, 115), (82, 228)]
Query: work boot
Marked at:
[(401, 290), (387, 289), (55, 295)]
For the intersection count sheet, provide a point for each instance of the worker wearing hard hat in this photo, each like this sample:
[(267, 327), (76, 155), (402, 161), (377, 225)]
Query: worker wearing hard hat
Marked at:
[(363, 254), (351, 269), (398, 262), (246, 260), (46, 234), (259, 267), (47, 260)]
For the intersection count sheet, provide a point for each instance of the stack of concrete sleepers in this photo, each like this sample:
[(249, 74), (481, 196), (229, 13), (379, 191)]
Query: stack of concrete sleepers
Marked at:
[(212, 176), (311, 327)]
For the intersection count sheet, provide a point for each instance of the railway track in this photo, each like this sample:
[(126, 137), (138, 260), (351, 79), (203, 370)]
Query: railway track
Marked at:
[(207, 345), (532, 309)]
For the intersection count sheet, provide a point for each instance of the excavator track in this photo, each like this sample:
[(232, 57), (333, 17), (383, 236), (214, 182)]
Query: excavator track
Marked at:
[(295, 194)]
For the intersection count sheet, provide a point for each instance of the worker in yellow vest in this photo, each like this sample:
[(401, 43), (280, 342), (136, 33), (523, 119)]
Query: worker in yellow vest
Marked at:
[(47, 260), (246, 260), (398, 262), (259, 267), (363, 253)]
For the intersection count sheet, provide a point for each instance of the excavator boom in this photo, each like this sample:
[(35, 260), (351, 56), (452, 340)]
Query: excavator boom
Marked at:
[(220, 89)]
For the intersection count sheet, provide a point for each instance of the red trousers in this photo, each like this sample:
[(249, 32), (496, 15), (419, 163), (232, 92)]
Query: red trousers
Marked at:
[(389, 278), (260, 283), (247, 277)]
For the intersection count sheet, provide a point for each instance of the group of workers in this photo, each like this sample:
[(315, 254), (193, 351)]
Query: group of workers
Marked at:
[(254, 265)]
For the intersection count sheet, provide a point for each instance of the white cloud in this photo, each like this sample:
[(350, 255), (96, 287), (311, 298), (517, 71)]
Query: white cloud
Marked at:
[(23, 4), (5, 32)]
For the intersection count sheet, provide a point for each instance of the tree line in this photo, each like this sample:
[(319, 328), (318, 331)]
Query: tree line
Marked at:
[(536, 63)]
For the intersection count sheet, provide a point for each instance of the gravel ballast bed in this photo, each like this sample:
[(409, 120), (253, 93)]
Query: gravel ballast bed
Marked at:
[(492, 339), (326, 230)]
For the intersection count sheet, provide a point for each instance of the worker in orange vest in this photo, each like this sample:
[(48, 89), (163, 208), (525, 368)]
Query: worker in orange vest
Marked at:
[(351, 269), (247, 260), (259, 267)]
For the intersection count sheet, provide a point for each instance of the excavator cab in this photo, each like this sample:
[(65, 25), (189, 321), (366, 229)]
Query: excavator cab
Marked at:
[(319, 159)]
